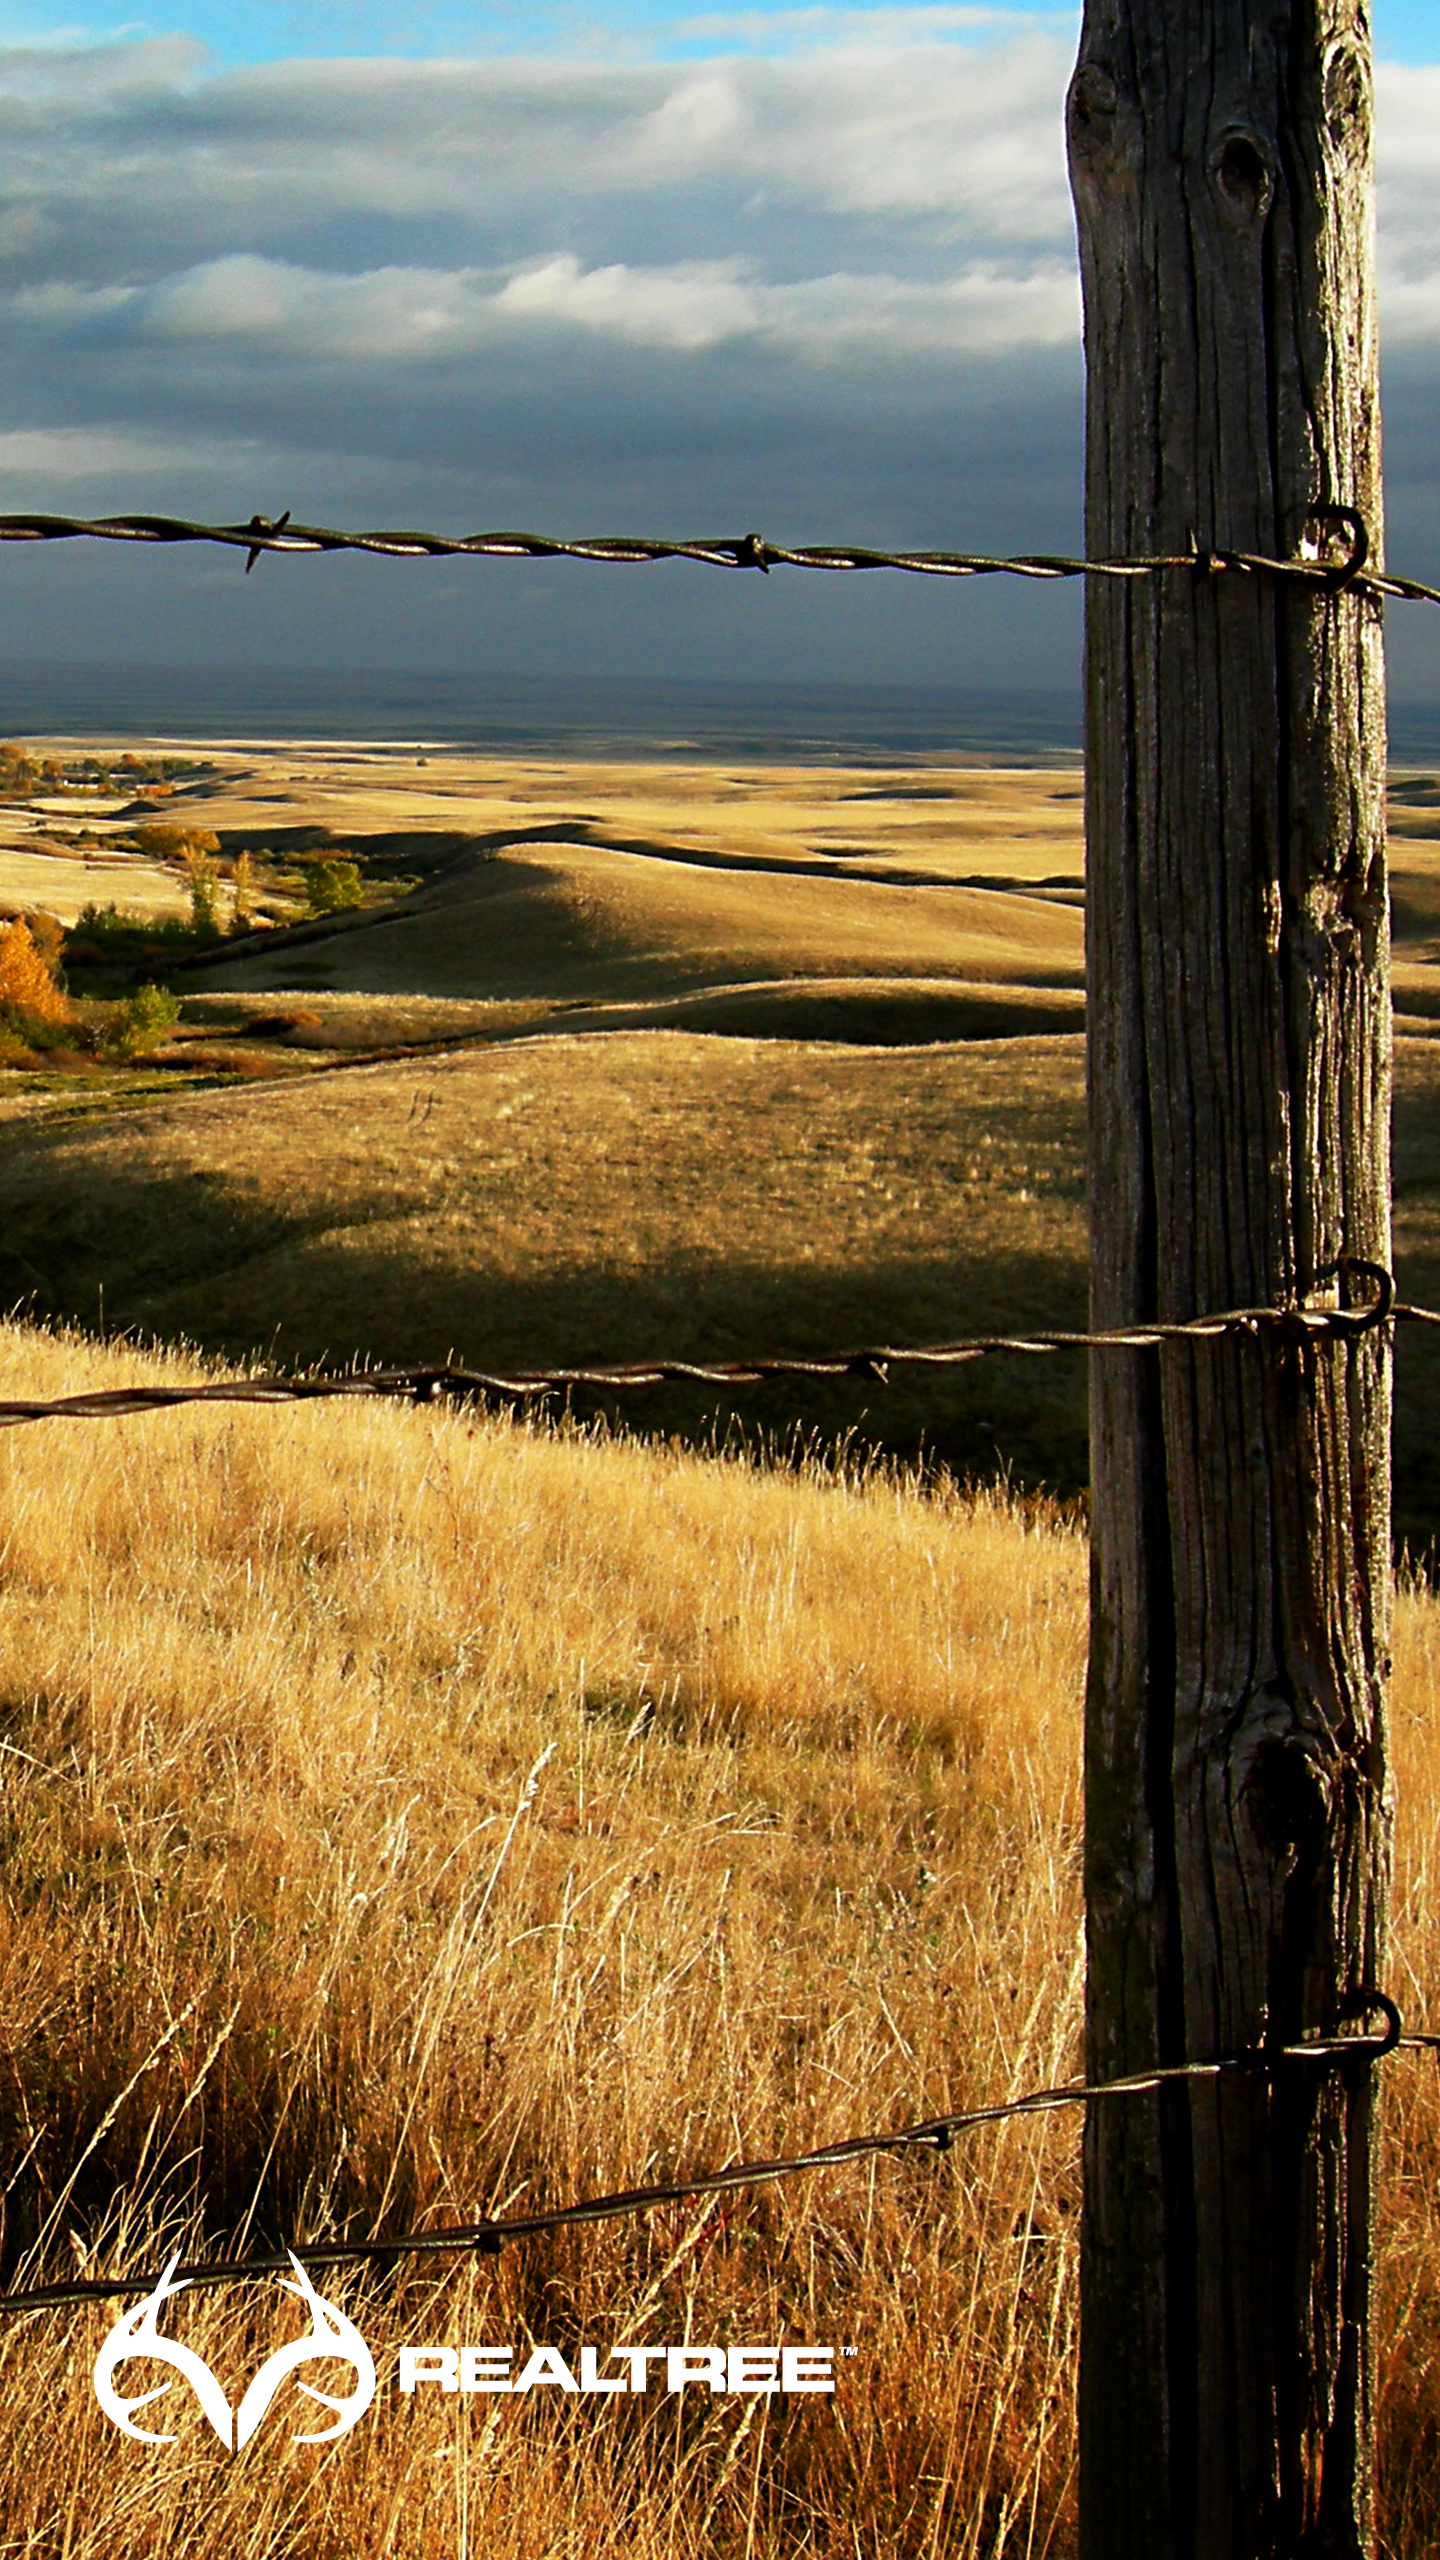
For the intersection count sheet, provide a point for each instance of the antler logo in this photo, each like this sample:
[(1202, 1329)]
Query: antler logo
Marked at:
[(331, 2334)]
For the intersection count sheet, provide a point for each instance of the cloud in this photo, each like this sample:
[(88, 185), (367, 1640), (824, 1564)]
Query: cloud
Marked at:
[(823, 318), (1410, 308), (401, 315), (829, 290), (113, 176), (891, 26), (63, 454), (784, 30), (900, 130), (92, 73), (1407, 103), (683, 306)]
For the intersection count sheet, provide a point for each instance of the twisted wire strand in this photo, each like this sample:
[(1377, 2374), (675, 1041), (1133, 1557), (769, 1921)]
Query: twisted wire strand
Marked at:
[(486, 2237), (488, 2234), (424, 1384), (729, 551)]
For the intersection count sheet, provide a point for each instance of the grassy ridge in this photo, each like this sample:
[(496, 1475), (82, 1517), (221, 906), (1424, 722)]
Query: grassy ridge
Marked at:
[(560, 1200), (566, 1200), (602, 922)]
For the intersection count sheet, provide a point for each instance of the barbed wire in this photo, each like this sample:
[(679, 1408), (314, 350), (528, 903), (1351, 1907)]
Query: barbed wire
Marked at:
[(488, 2234), (486, 2237), (261, 534), (424, 1384)]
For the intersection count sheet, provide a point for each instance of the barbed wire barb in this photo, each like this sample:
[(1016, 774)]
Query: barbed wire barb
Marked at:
[(260, 534), (425, 1383), (486, 2236)]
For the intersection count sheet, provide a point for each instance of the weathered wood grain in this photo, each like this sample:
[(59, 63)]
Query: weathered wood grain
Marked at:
[(1239, 1063)]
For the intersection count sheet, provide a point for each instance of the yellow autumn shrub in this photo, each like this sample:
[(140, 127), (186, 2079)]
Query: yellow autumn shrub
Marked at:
[(28, 992)]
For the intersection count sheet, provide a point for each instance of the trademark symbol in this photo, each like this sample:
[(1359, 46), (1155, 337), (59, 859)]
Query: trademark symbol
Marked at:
[(847, 2351)]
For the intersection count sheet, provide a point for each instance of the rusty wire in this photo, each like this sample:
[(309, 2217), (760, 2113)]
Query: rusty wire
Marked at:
[(488, 2234), (486, 2237), (730, 551), (425, 1382)]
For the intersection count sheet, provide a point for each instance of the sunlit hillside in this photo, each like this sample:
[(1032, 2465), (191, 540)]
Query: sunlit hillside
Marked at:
[(668, 1059), (409, 1816)]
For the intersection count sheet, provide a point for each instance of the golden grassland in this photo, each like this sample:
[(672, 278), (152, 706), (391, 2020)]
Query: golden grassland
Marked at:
[(563, 1200), (779, 899), (565, 921), (751, 1058), (898, 817), (567, 1200), (874, 904), (409, 1816)]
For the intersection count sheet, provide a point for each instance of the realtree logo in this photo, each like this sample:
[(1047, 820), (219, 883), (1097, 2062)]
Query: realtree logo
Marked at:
[(331, 2336), (712, 2368), (460, 2369)]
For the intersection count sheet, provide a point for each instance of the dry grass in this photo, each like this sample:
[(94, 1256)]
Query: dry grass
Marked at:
[(562, 1200), (802, 1859), (576, 920), (901, 822), (567, 1200)]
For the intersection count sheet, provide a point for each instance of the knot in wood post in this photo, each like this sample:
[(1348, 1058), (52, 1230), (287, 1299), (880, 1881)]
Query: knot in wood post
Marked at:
[(1238, 1014)]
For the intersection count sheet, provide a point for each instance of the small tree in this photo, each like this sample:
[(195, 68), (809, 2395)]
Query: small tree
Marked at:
[(17, 773), (28, 993), (333, 886), (204, 880), (143, 1021), (243, 880), (164, 840), (48, 935)]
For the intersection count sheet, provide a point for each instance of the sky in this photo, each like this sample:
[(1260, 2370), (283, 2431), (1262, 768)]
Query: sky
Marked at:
[(808, 270)]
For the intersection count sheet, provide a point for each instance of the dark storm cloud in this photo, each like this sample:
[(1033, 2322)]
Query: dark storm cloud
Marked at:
[(833, 293)]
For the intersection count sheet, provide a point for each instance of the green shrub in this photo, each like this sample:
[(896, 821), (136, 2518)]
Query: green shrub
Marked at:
[(112, 931), (143, 1021), (333, 887), (204, 879)]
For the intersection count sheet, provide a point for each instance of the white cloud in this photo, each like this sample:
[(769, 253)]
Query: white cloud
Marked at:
[(986, 311), (404, 314), (89, 453), (966, 137), (72, 74), (683, 306), (897, 25), (1407, 111), (1410, 309), (828, 285), (1407, 104), (902, 131)]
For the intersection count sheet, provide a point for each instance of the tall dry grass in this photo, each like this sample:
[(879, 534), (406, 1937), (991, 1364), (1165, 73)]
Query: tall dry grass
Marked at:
[(291, 1943)]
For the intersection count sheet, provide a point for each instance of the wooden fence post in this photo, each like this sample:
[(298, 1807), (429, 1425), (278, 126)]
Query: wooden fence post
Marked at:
[(1239, 1055)]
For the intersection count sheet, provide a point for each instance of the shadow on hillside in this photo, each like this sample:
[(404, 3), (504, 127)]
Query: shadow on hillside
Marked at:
[(192, 1254), (172, 1256)]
